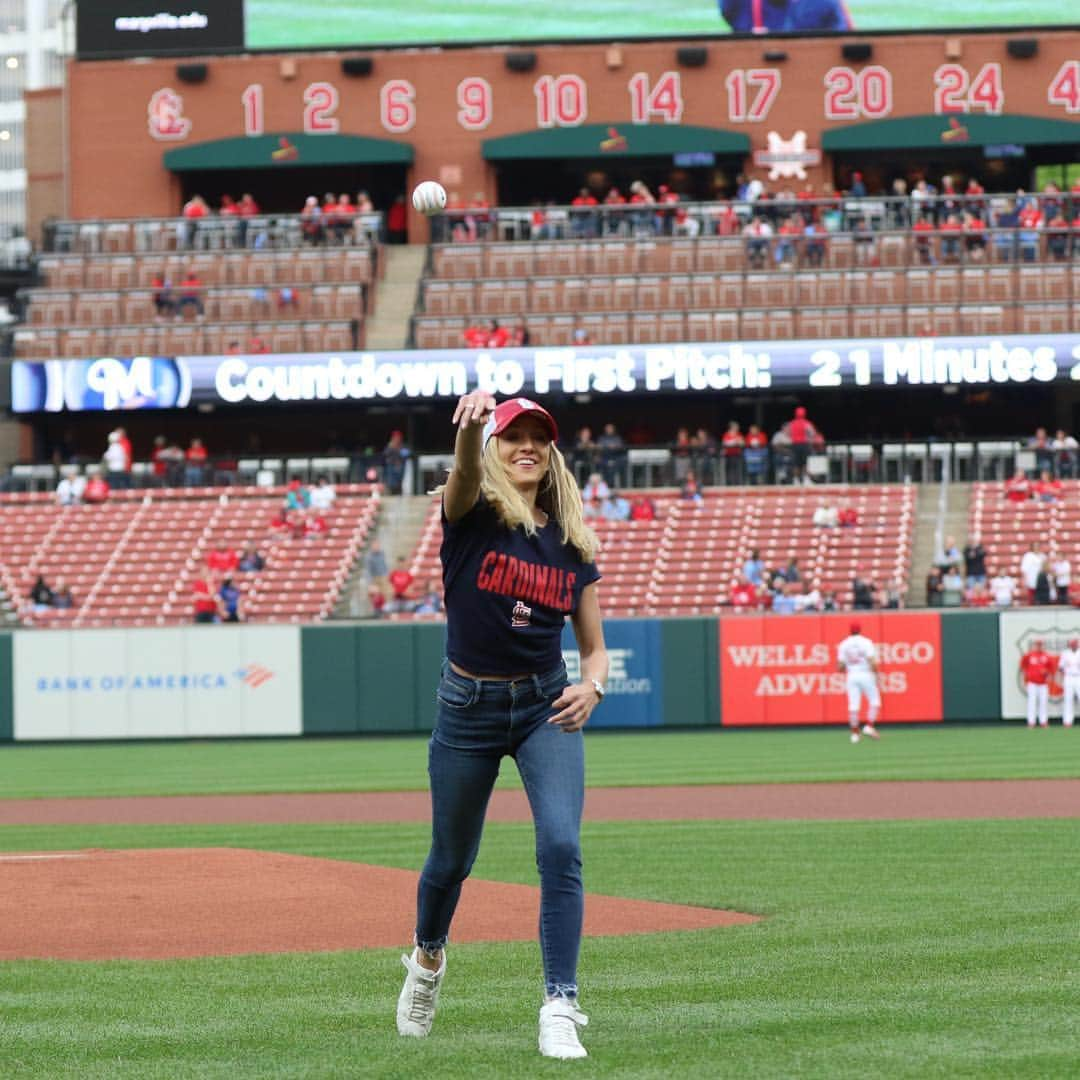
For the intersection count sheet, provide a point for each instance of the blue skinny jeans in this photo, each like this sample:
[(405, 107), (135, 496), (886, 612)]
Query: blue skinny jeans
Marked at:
[(479, 722)]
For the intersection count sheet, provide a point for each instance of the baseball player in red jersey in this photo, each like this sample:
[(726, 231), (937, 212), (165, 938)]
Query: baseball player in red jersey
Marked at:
[(1037, 665), (1068, 664)]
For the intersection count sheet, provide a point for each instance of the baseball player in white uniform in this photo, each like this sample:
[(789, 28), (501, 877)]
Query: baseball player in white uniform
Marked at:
[(1069, 666), (856, 656)]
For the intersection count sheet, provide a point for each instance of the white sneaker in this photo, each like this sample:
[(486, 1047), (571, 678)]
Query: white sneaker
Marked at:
[(559, 1021), (419, 996), (855, 736), (870, 731)]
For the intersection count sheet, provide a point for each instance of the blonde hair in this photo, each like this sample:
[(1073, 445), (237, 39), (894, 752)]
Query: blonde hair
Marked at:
[(558, 497)]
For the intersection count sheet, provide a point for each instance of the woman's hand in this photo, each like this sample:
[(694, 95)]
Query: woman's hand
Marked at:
[(474, 408), (575, 705)]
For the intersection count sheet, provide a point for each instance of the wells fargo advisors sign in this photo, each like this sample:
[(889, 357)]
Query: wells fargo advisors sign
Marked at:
[(781, 669)]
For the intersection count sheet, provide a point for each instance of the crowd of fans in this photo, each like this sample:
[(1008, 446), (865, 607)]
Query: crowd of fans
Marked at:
[(794, 226)]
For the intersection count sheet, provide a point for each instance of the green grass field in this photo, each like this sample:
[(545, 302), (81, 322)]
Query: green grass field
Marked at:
[(901, 949), (274, 23)]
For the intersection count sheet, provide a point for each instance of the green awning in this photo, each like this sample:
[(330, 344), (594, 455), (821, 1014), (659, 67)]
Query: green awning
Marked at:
[(616, 140), (951, 132), (292, 149)]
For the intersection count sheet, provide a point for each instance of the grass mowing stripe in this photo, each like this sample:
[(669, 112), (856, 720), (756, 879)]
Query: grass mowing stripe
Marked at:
[(906, 949), (659, 758)]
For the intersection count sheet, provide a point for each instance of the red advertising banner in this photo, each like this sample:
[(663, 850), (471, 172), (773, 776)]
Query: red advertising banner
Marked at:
[(781, 669)]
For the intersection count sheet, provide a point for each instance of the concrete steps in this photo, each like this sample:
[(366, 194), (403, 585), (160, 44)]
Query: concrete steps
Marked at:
[(954, 522), (388, 327)]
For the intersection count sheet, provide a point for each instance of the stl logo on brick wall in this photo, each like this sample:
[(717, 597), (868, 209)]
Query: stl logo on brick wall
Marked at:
[(787, 158), (254, 675), (165, 115)]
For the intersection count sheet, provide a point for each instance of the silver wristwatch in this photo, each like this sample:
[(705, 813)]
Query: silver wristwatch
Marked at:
[(598, 686)]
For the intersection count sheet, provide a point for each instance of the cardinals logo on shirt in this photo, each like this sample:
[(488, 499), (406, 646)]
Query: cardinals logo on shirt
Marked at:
[(521, 615)]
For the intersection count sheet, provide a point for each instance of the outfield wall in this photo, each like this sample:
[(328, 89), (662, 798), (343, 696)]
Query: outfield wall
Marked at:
[(741, 671)]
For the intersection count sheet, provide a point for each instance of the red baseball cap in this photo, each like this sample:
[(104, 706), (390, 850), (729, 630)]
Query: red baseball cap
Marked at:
[(1074, 643), (508, 411), (855, 628)]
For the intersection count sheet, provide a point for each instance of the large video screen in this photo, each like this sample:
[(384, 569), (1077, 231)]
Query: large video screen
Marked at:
[(164, 27), (279, 24)]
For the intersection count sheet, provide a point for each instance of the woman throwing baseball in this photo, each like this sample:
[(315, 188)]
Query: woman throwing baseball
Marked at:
[(517, 559)]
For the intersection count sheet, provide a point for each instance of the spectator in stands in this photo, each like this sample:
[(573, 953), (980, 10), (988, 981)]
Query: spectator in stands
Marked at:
[(756, 455), (950, 554), (401, 585), (974, 237), (160, 460), (69, 491), (782, 455), (1046, 489), (222, 558), (229, 595), (685, 224), (395, 459), (586, 453), (790, 572), (195, 458), (1057, 236), (705, 455), (892, 596), (322, 495), (377, 567), (951, 230), (829, 601), (847, 517), (96, 491), (1044, 589), (784, 602), (923, 230), (311, 221), (803, 437), (581, 337), (62, 598), (691, 490), (612, 454), (1043, 446), (974, 560), (364, 205), (163, 296), (499, 337), (1004, 234), (758, 233), (592, 509), (397, 221), (1065, 449), (754, 568), (116, 463), (1030, 220), (863, 591), (314, 525), (733, 444), (642, 508), (615, 508), (583, 220), (642, 219), (952, 587), (934, 587), (344, 218), (430, 602), (195, 209), (251, 562), (288, 302), (377, 600), (191, 294), (206, 605), (682, 450), (1031, 564), (786, 253), (41, 596), (477, 335), (519, 334), (826, 516), (297, 496), (977, 595), (807, 598), (744, 595), (1002, 589), (1061, 575), (1018, 487)]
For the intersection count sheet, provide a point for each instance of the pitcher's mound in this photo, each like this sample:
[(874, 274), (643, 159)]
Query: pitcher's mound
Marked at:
[(161, 904)]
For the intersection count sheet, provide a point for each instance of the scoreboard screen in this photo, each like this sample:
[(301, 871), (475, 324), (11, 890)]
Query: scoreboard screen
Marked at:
[(119, 28)]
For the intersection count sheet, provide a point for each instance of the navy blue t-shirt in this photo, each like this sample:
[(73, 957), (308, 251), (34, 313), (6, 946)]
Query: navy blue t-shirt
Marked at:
[(508, 593)]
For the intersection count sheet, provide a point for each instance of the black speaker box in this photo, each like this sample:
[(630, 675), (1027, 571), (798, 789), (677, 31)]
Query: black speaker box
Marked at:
[(857, 50), (1022, 48), (692, 56), (520, 61), (192, 73), (358, 66)]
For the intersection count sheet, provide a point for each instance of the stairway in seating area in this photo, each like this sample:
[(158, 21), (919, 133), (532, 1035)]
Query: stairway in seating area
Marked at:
[(388, 327)]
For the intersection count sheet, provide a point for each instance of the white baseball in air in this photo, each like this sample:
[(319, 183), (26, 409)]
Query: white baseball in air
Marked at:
[(429, 198)]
